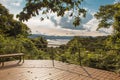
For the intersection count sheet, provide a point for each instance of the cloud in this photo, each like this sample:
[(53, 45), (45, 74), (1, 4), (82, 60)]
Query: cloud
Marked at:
[(106, 30), (35, 24), (92, 25), (47, 27), (16, 4), (11, 3), (54, 20), (67, 22), (116, 1), (63, 26), (59, 25)]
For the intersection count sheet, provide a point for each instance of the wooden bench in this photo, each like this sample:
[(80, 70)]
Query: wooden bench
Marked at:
[(3, 57)]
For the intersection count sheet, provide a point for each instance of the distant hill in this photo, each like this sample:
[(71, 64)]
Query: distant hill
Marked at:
[(54, 37), (51, 37)]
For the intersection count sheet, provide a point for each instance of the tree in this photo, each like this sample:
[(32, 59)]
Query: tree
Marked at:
[(40, 42), (10, 27), (108, 16), (56, 6)]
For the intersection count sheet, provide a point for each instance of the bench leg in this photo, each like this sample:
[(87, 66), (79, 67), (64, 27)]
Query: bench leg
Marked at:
[(2, 64), (23, 59), (0, 61), (19, 59)]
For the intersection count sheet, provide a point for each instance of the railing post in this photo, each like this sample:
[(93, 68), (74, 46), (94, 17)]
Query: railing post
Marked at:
[(52, 53), (21, 49), (79, 56)]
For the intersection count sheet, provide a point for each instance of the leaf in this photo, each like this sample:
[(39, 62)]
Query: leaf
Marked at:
[(57, 6), (76, 21), (41, 18)]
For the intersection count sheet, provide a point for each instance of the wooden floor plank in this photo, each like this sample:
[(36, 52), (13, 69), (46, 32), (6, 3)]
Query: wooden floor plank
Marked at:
[(44, 70)]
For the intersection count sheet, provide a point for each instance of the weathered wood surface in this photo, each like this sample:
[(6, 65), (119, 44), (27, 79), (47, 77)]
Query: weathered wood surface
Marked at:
[(4, 56), (10, 55), (43, 70)]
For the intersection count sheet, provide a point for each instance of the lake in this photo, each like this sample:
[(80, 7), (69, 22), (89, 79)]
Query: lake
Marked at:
[(54, 41)]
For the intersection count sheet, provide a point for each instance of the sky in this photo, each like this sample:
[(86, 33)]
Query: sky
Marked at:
[(62, 26)]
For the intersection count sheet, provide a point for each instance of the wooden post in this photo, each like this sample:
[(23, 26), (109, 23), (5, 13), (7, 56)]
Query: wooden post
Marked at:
[(52, 53), (79, 57)]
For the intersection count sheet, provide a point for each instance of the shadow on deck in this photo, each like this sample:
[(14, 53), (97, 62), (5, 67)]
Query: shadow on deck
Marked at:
[(44, 70)]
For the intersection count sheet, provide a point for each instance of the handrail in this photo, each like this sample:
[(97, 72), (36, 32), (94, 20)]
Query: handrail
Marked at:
[(51, 51)]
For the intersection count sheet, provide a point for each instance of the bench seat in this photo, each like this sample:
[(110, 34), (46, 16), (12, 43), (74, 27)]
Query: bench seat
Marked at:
[(4, 56)]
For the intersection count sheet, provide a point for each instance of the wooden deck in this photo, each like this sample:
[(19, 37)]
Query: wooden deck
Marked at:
[(44, 70)]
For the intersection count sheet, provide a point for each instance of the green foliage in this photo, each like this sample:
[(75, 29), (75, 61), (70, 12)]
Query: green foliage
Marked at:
[(40, 42), (25, 45), (108, 16), (56, 6), (105, 15), (14, 37), (10, 27), (88, 51), (76, 21)]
